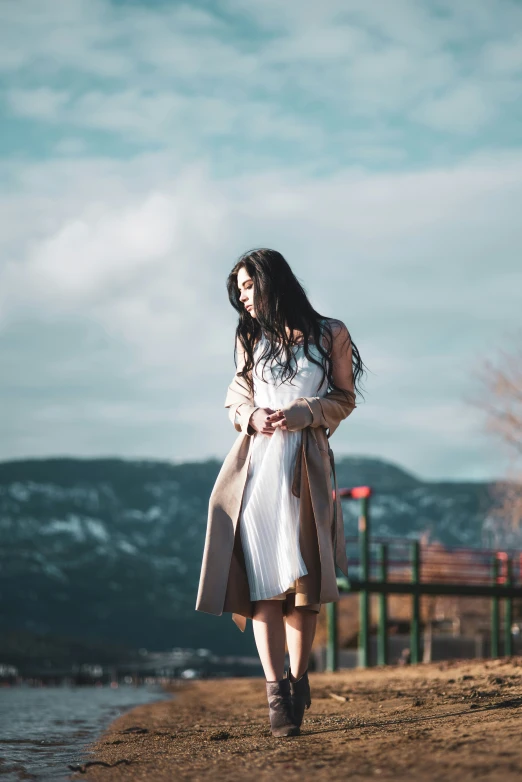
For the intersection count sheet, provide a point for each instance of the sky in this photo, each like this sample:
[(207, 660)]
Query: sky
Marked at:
[(146, 145)]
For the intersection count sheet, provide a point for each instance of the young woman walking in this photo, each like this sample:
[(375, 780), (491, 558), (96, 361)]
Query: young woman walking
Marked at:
[(275, 532)]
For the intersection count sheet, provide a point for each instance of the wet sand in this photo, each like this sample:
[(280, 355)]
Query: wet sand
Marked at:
[(443, 721)]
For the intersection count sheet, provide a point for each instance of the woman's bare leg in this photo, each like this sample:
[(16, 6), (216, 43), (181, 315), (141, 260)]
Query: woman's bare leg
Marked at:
[(300, 631), (269, 633)]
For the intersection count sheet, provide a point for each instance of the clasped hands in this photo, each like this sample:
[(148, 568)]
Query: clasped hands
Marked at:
[(265, 420)]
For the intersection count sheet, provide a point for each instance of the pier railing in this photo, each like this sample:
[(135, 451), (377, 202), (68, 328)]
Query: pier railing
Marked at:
[(386, 566)]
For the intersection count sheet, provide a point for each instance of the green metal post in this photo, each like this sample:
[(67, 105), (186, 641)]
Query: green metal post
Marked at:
[(364, 596), (508, 614), (415, 653), (495, 623), (382, 638), (331, 648)]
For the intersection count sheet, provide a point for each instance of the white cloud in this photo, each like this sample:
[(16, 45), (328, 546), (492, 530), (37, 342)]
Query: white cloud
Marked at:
[(41, 103), (169, 117), (411, 262), (464, 109), (260, 71), (70, 147), (45, 38), (504, 57), (87, 256)]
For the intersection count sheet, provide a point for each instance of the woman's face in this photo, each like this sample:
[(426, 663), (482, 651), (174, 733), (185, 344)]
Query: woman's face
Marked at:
[(246, 290)]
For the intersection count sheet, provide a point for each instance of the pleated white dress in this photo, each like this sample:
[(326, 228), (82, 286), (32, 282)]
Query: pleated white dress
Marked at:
[(269, 519)]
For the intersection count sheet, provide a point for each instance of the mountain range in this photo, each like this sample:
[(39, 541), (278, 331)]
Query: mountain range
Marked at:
[(109, 550)]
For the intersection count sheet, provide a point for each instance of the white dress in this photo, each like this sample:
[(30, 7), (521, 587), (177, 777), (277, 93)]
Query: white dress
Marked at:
[(269, 520)]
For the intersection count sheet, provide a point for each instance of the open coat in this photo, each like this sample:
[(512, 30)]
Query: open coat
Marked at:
[(223, 584)]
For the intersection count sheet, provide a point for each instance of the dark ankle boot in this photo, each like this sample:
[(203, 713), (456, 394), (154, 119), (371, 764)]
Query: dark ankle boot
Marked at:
[(300, 694), (280, 709)]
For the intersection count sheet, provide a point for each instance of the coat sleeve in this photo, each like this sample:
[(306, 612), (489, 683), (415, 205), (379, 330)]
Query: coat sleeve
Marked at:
[(331, 409), (239, 400)]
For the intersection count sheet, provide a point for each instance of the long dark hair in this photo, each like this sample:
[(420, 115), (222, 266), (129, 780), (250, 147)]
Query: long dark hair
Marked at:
[(280, 300)]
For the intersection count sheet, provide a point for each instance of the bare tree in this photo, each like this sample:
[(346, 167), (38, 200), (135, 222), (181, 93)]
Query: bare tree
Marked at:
[(501, 401)]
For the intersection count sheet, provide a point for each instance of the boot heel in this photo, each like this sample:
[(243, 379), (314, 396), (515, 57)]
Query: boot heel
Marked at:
[(300, 695), (282, 722)]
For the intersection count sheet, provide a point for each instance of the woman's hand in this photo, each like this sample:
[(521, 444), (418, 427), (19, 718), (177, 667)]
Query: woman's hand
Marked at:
[(277, 419), (265, 420)]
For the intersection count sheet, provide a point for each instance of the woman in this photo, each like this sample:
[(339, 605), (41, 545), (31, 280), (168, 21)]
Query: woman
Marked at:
[(275, 533)]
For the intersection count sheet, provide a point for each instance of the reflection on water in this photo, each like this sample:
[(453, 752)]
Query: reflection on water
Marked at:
[(42, 730)]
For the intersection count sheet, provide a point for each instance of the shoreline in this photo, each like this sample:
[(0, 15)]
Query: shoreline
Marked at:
[(454, 720), (163, 694), (46, 729)]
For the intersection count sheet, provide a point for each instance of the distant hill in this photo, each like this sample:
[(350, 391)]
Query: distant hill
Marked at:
[(110, 549)]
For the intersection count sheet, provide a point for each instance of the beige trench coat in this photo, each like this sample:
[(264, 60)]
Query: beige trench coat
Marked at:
[(223, 584)]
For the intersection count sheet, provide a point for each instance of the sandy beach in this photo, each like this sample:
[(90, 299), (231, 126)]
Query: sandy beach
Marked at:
[(442, 721)]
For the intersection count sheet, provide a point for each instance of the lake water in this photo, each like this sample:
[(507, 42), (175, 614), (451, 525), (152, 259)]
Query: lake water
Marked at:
[(42, 730)]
